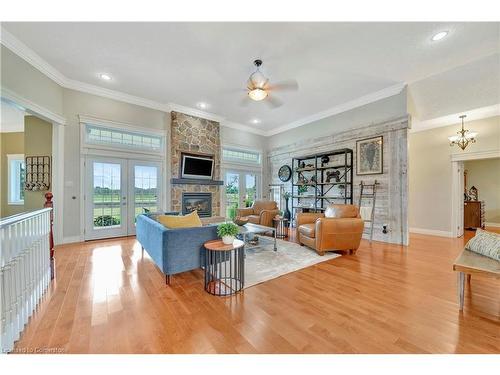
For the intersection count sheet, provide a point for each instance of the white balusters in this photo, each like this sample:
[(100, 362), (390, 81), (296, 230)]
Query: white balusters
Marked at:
[(24, 271)]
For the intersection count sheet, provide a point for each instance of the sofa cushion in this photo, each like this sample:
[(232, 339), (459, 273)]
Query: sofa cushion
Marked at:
[(308, 230), (187, 221), (255, 219), (342, 211), (485, 243)]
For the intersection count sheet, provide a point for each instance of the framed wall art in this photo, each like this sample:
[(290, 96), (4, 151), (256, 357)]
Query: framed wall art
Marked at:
[(370, 156)]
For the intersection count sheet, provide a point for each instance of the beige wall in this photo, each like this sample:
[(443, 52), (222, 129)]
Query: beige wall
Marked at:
[(430, 174), (485, 176), (10, 143), (37, 142)]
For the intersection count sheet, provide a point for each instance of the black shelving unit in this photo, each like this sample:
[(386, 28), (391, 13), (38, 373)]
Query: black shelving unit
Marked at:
[(312, 172)]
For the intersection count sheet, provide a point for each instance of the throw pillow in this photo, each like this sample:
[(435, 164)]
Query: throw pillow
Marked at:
[(187, 221), (485, 243)]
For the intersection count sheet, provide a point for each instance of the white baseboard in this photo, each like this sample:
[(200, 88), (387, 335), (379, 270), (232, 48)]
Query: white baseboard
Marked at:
[(494, 225), (431, 232), (72, 239)]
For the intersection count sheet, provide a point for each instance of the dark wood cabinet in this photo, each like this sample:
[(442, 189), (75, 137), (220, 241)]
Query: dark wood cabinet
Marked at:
[(473, 214)]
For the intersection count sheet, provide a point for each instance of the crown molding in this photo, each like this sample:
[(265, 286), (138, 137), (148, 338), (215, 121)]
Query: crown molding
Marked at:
[(452, 119), (31, 107), (31, 57), (194, 112), (490, 154), (238, 126), (115, 95), (347, 106)]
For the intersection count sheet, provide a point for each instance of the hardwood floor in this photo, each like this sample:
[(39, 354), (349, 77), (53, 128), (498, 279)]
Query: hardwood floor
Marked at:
[(108, 298)]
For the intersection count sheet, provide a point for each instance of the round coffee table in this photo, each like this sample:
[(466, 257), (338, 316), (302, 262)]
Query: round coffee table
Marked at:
[(224, 267), (281, 225)]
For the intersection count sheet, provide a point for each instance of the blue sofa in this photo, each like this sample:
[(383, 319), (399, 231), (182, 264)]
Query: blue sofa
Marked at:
[(173, 250)]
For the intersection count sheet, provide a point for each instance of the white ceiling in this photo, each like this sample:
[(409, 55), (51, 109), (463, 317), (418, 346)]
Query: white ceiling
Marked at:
[(188, 63), (11, 118)]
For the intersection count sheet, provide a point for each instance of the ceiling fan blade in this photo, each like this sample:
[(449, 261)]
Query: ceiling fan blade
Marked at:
[(233, 90), (273, 102), (288, 85)]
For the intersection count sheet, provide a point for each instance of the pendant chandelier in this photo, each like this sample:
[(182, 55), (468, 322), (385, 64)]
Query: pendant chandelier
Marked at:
[(463, 137)]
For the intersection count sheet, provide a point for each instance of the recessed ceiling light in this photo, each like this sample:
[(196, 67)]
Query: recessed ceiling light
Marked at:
[(202, 105), (105, 77), (439, 36), (255, 121)]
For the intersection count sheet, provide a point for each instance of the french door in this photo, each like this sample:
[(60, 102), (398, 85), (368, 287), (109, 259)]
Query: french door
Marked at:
[(240, 190), (116, 192)]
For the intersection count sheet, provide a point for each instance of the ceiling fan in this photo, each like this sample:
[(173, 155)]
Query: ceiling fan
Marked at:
[(259, 88)]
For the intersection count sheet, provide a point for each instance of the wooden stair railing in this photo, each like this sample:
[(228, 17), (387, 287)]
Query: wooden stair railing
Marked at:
[(50, 204), (25, 271)]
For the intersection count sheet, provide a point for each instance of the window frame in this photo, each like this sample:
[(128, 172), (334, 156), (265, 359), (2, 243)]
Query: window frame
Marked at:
[(10, 180), (125, 129), (238, 161)]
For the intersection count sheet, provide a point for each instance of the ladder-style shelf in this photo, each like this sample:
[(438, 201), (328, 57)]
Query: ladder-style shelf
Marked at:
[(368, 191)]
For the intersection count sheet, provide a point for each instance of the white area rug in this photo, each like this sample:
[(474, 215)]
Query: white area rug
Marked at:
[(262, 263)]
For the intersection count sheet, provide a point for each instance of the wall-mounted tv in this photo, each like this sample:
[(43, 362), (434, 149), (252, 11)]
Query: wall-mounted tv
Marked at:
[(197, 167)]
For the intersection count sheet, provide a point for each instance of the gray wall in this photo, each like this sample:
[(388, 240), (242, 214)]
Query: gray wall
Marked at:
[(21, 78), (373, 113)]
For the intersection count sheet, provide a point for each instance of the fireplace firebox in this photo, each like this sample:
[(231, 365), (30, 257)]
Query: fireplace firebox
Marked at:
[(201, 202)]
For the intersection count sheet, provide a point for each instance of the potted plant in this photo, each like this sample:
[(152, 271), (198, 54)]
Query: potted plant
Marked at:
[(228, 232)]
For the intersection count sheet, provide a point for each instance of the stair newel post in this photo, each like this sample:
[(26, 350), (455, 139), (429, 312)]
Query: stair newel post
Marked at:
[(49, 204)]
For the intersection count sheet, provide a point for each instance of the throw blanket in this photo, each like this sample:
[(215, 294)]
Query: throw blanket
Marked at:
[(485, 243), (365, 213)]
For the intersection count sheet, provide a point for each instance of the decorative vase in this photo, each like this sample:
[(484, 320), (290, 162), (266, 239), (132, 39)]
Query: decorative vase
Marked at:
[(228, 240), (287, 214)]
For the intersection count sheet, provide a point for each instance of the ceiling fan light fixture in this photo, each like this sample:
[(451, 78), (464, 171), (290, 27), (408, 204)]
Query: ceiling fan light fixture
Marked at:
[(257, 94)]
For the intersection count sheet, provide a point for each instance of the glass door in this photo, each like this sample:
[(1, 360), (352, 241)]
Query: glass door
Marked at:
[(250, 189), (241, 191), (232, 182), (117, 191), (145, 190), (105, 198)]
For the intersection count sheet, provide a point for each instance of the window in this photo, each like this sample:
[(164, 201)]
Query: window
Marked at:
[(16, 178), (241, 156), (124, 139)]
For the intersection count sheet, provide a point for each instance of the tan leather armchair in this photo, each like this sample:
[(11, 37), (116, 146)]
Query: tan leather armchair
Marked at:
[(339, 228), (262, 212)]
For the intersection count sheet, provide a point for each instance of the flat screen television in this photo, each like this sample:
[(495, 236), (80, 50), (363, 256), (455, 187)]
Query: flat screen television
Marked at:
[(197, 167)]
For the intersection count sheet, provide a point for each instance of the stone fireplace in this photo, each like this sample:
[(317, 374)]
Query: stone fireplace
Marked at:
[(201, 202), (190, 134)]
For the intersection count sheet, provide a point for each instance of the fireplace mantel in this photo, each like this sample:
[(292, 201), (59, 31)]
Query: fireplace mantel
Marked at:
[(195, 181)]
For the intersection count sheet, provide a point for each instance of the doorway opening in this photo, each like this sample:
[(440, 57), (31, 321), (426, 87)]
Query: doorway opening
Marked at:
[(469, 210)]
